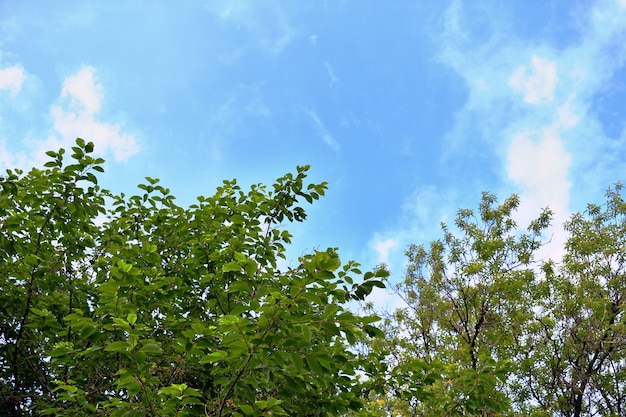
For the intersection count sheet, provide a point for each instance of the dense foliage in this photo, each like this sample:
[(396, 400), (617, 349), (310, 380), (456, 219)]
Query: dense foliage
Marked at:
[(490, 330), (119, 305), (134, 306)]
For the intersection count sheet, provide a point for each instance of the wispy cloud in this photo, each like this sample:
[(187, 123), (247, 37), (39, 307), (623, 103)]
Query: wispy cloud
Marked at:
[(529, 108), (267, 23), (323, 132), (419, 222), (538, 86), (331, 74), (226, 122), (530, 103)]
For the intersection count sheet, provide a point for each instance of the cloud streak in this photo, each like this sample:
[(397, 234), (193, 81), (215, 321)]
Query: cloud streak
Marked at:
[(322, 131), (331, 74)]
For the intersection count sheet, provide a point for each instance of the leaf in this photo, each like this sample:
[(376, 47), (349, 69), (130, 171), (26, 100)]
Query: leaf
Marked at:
[(296, 359), (118, 346), (314, 365), (140, 357), (239, 286), (306, 333), (215, 356), (231, 266), (151, 348), (228, 320), (152, 293)]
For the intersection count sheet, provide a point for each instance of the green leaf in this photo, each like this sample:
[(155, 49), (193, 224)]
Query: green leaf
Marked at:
[(215, 356), (140, 357), (151, 348), (330, 310), (296, 359), (118, 346), (306, 333), (239, 286), (131, 318), (314, 365), (231, 266)]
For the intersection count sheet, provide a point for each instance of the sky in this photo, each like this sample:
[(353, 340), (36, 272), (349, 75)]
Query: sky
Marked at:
[(408, 109)]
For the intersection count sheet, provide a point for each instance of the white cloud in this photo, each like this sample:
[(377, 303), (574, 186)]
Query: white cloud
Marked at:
[(528, 107), (383, 248), (11, 79), (419, 222), (541, 167), (84, 93), (77, 113), (566, 114), (323, 132), (538, 86), (77, 116), (541, 147), (539, 163), (10, 159)]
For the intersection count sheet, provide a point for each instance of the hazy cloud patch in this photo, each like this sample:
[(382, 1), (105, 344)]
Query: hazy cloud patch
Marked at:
[(528, 105), (267, 23), (11, 79), (383, 248), (536, 85)]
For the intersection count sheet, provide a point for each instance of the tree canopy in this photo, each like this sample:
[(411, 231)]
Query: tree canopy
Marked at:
[(115, 305), (490, 330), (118, 305)]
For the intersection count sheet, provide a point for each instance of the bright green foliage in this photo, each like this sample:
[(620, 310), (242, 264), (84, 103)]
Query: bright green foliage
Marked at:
[(488, 331), (134, 306), (468, 296), (575, 364)]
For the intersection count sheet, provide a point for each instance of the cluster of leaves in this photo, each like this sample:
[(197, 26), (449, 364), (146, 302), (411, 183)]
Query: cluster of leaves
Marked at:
[(489, 331), (133, 306)]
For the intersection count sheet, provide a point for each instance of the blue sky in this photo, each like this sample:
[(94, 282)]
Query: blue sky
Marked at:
[(409, 109)]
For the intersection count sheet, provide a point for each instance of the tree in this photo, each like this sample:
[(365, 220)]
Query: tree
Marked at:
[(576, 364), (113, 305), (468, 296), (488, 330)]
